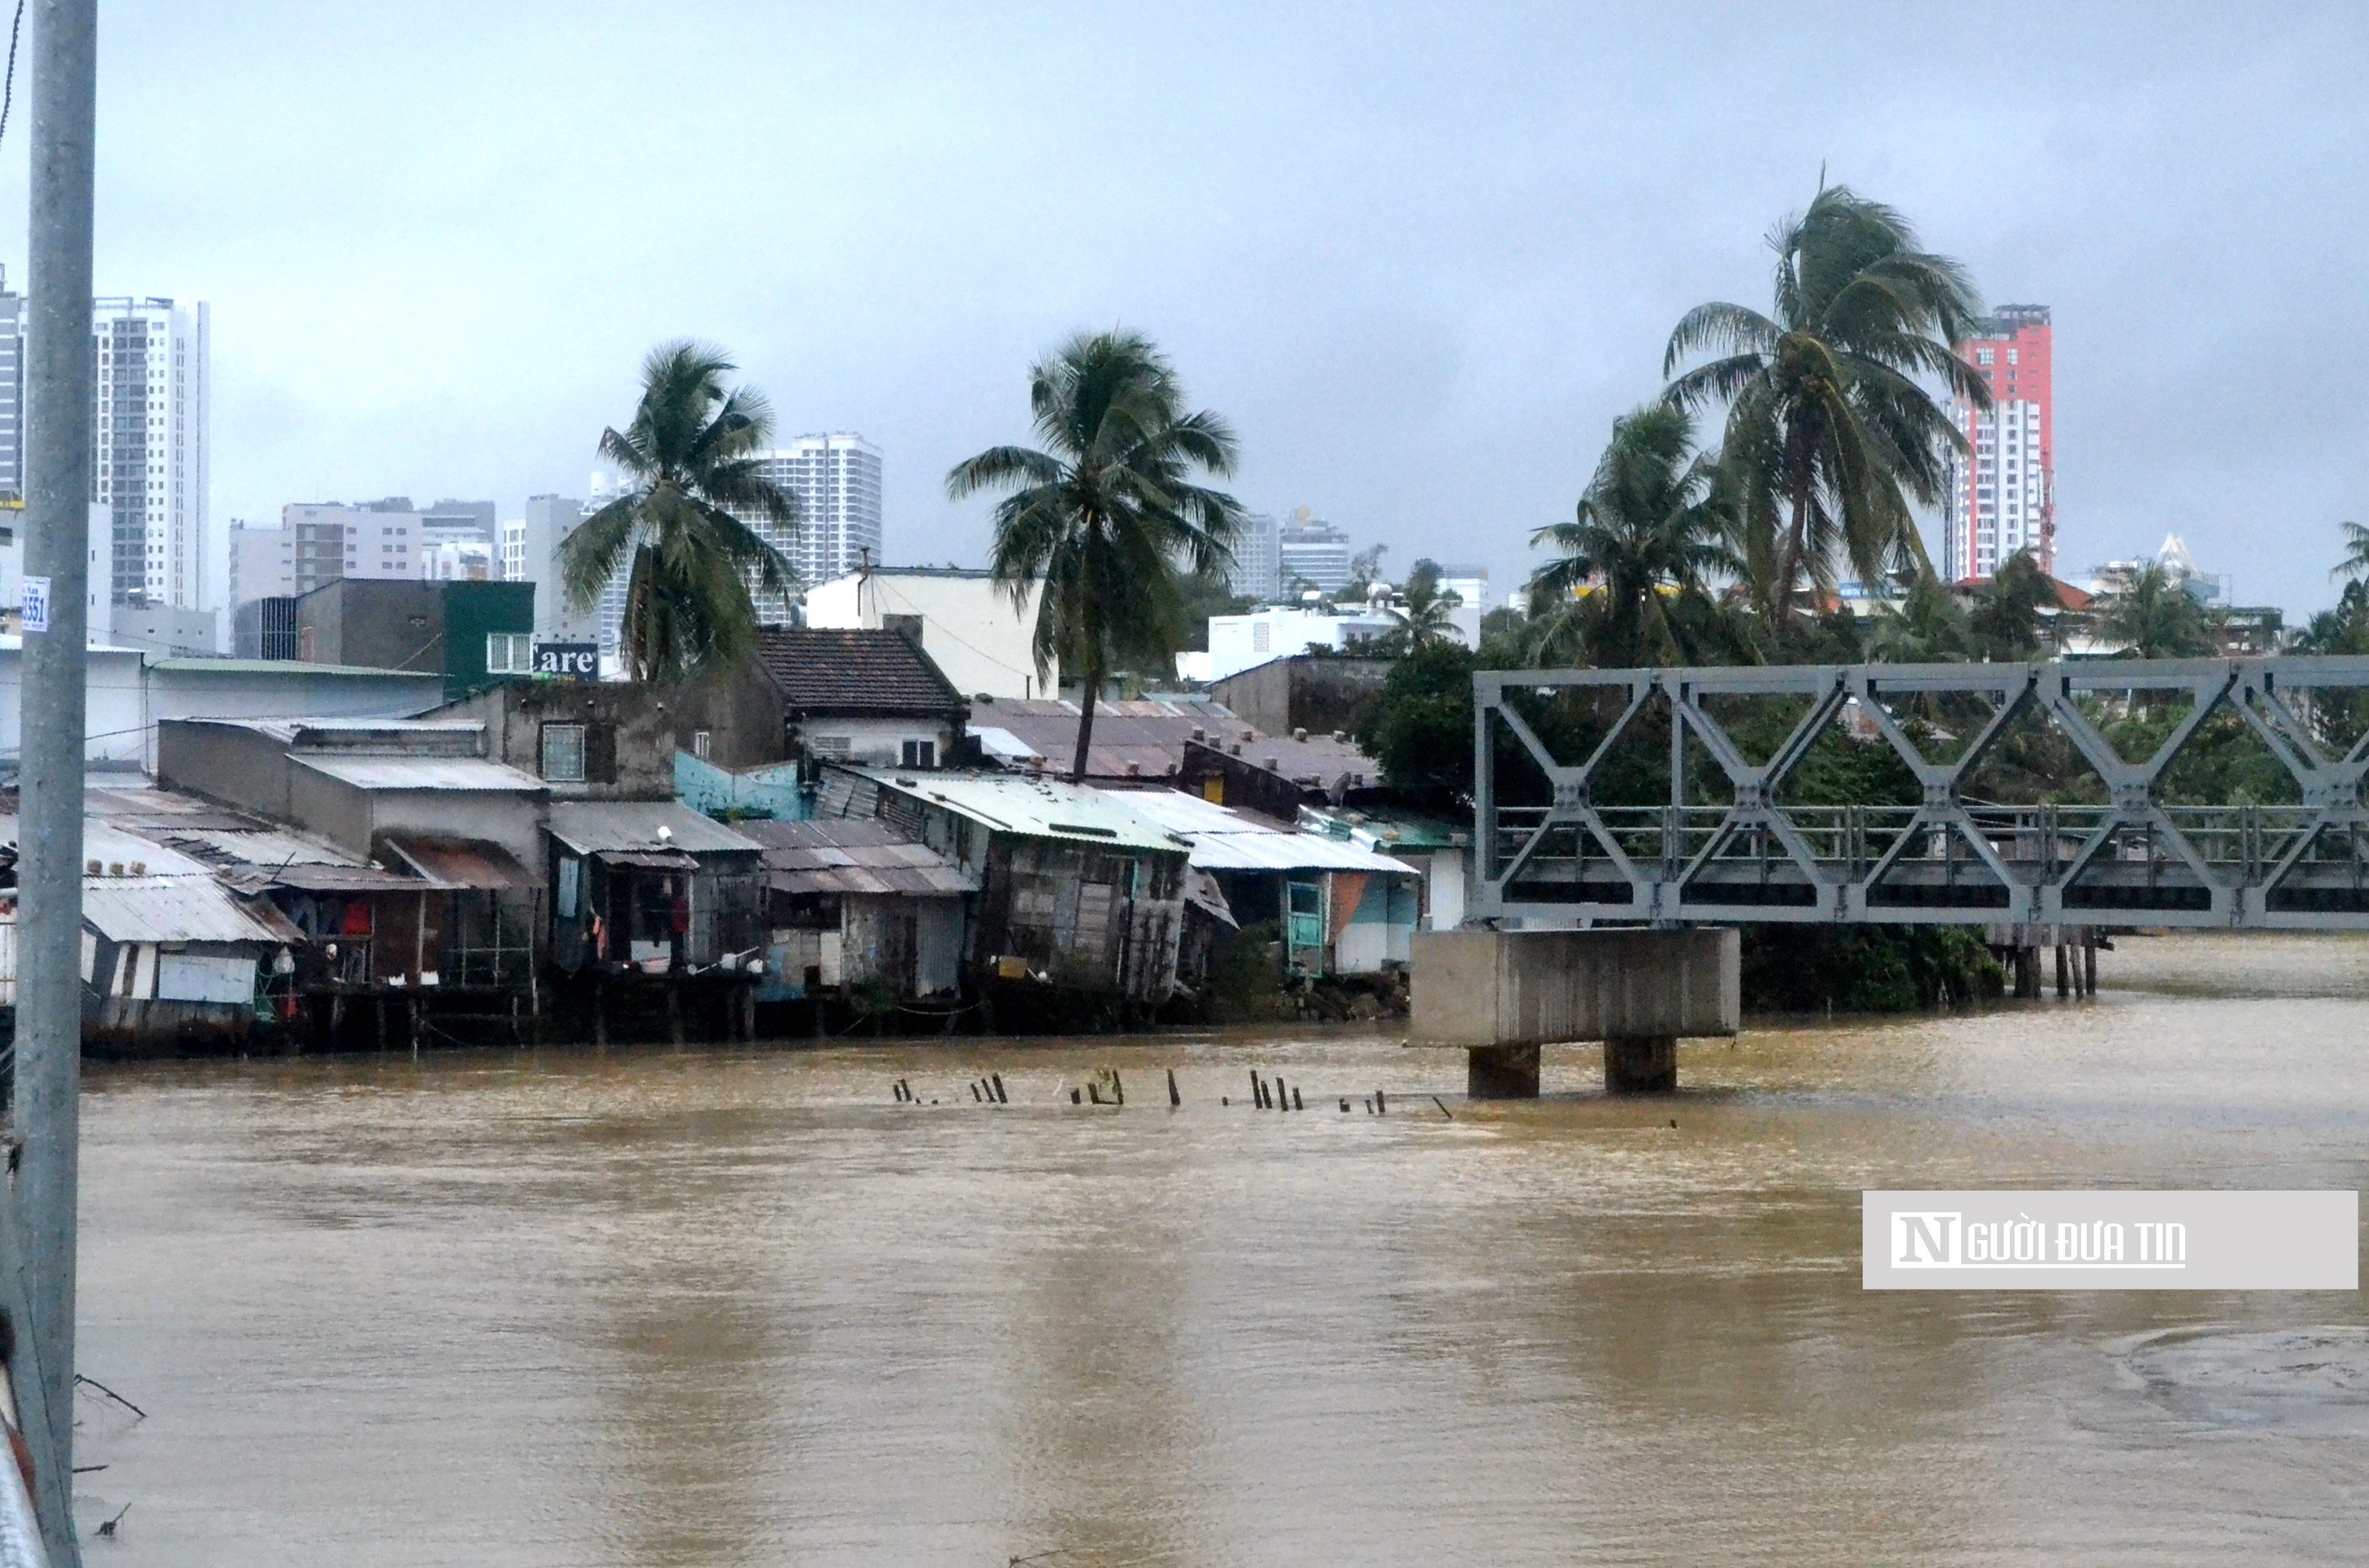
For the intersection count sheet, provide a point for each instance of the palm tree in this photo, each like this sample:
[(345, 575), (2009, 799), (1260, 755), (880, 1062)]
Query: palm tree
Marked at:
[(2355, 563), (1425, 613), (2006, 622), (1107, 514), (2151, 616), (1928, 626), (1830, 431), (688, 458), (1650, 533)]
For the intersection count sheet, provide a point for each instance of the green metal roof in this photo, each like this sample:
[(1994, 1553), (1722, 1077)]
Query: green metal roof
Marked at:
[(1036, 808)]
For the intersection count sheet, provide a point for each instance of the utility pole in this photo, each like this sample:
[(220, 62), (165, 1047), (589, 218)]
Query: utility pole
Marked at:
[(60, 388)]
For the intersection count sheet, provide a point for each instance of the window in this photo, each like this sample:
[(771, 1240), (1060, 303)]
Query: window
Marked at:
[(920, 754), (1984, 356), (563, 753), (2010, 356), (510, 653), (701, 742)]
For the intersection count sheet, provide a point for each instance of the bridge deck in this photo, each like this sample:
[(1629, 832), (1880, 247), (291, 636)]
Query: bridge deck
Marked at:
[(1711, 795)]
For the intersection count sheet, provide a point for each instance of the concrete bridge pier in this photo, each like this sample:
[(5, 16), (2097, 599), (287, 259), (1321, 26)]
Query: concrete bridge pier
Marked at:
[(1502, 994)]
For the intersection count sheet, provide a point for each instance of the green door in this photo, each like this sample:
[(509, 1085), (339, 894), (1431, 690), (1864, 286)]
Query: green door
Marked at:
[(1304, 933)]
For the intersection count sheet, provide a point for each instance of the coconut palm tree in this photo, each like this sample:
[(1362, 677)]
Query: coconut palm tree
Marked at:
[(2006, 622), (1106, 513), (1926, 626), (692, 475), (1831, 433), (2151, 616), (1425, 613), (1650, 535), (2355, 563)]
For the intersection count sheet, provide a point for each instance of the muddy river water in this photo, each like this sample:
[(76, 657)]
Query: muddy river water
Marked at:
[(690, 1308)]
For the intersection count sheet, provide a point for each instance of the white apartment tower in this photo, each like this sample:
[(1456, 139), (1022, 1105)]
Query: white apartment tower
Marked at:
[(836, 481), (148, 456), (12, 391)]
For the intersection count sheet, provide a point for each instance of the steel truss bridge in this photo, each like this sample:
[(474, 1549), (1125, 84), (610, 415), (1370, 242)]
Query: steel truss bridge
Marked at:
[(1726, 838)]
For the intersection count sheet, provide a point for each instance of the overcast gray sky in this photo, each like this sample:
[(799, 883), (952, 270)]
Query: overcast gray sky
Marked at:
[(1421, 256)]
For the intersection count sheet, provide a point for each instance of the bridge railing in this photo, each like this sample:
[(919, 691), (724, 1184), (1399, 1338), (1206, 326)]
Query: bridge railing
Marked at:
[(1731, 839)]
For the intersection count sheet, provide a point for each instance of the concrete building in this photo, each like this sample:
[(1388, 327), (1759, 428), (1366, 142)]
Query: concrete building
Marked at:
[(262, 563), (2003, 500), (530, 553), (472, 634), (1313, 693), (971, 628), (128, 693), (149, 435), (12, 391), (1256, 573), (1242, 642), (375, 540), (836, 481), (1310, 550)]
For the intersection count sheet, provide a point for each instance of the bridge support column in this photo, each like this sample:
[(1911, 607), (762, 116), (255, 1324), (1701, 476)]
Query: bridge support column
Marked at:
[(1502, 994), (1502, 1072), (1648, 1066)]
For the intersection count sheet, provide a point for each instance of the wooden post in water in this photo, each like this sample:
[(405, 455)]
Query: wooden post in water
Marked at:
[(2090, 962), (1174, 1099), (2063, 971)]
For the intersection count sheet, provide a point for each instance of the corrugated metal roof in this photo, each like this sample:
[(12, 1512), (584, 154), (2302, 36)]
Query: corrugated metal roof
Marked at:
[(265, 846), (1041, 808), (851, 855), (168, 908), (1388, 831), (1146, 737), (290, 667), (589, 827), (462, 863), (1225, 839), (457, 775), (110, 845)]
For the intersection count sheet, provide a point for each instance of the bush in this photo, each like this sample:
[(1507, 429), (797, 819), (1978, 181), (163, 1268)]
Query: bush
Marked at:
[(1813, 968)]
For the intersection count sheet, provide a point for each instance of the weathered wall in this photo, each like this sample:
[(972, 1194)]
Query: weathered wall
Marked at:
[(1507, 988), (226, 762), (1303, 692)]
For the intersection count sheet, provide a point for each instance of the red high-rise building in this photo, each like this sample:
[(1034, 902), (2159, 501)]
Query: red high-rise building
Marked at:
[(2003, 499)]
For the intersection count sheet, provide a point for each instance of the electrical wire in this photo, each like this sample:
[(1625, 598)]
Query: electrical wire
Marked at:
[(8, 88)]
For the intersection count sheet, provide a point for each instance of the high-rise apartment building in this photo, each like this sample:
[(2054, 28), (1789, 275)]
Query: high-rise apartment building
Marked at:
[(1256, 573), (376, 539), (2003, 499), (12, 391), (530, 553), (262, 563), (1310, 550), (148, 457), (836, 481)]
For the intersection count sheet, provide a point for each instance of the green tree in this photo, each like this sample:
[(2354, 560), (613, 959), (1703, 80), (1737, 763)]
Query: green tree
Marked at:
[(1830, 431), (1648, 538), (2007, 622), (689, 458), (1420, 727), (2151, 616), (1106, 513)]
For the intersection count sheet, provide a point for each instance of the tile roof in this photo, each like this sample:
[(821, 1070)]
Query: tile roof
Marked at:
[(824, 670)]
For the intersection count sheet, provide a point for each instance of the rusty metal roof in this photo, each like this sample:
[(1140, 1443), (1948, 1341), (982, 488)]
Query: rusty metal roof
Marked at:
[(461, 863), (853, 855)]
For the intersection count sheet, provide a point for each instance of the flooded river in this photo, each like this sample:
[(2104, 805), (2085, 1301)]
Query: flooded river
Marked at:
[(677, 1309)]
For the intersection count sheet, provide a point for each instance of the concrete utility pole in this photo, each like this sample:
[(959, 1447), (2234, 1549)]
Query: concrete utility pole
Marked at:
[(59, 394)]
